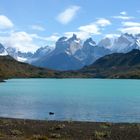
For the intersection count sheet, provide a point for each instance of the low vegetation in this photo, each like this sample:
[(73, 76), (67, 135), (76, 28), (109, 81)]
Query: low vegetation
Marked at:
[(100, 135), (117, 65), (10, 68), (16, 129)]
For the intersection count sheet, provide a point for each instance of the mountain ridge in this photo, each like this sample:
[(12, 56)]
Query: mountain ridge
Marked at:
[(11, 68), (73, 53), (116, 65)]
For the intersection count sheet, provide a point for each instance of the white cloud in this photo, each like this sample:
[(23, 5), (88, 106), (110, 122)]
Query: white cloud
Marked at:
[(67, 15), (22, 41), (80, 34), (52, 38), (26, 42), (130, 24), (130, 27), (5, 22), (103, 22), (85, 31), (123, 13), (37, 27), (111, 35), (123, 17), (130, 30), (89, 30)]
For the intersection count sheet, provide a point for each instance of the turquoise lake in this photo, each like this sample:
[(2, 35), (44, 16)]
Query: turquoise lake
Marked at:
[(71, 99)]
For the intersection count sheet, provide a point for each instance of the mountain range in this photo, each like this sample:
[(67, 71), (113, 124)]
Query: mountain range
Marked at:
[(73, 53), (116, 65)]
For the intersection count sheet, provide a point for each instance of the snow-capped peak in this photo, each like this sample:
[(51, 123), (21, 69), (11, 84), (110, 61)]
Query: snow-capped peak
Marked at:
[(68, 45), (138, 42), (74, 38), (90, 42), (124, 43)]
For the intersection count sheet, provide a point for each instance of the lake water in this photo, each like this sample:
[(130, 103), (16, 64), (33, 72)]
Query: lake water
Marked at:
[(71, 99)]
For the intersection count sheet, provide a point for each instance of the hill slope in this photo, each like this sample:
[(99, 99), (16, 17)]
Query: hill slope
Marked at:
[(117, 65), (10, 68)]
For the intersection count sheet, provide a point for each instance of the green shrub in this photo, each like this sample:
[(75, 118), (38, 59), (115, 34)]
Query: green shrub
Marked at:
[(38, 137), (99, 135)]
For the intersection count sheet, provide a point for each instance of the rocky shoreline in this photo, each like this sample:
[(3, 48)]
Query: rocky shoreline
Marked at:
[(20, 129)]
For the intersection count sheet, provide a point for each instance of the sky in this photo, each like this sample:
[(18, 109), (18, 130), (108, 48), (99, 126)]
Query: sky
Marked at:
[(29, 24)]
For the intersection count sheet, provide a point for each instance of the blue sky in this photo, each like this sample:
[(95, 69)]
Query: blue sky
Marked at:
[(29, 24)]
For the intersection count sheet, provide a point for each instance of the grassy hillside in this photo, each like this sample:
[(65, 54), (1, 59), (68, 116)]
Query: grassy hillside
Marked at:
[(10, 68), (117, 65)]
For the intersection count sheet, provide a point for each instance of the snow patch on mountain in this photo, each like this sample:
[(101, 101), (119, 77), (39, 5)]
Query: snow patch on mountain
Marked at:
[(122, 44), (21, 59)]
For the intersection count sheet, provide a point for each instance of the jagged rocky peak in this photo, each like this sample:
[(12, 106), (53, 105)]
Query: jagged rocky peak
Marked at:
[(61, 44), (61, 39), (68, 45), (90, 42), (122, 39), (74, 45), (74, 38), (44, 50), (125, 43), (128, 35), (67, 40), (106, 42), (126, 38), (117, 42), (24, 54)]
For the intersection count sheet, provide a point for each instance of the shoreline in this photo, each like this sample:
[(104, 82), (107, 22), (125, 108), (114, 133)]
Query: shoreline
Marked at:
[(26, 129), (2, 80)]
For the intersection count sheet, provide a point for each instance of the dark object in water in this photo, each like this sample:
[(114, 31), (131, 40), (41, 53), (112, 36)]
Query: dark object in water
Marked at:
[(51, 113)]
